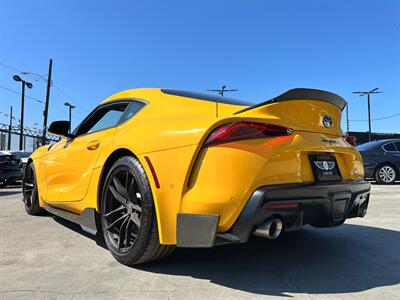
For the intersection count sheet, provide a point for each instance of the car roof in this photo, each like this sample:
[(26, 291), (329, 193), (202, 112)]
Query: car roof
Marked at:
[(386, 141), (155, 95)]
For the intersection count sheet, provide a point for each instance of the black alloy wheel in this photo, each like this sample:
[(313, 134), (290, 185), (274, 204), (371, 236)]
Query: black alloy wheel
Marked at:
[(123, 210), (30, 191), (128, 217)]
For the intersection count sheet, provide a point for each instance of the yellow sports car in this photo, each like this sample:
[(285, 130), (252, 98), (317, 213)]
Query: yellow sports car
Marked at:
[(151, 169)]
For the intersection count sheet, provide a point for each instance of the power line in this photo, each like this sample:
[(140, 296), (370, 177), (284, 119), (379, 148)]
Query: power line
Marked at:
[(10, 67), (18, 93), (378, 119), (67, 96), (368, 94), (43, 79)]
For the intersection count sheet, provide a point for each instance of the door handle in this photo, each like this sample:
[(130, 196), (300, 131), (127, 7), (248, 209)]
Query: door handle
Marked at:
[(93, 145)]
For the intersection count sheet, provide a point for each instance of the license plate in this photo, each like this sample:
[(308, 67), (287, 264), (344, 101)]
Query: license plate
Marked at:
[(325, 167)]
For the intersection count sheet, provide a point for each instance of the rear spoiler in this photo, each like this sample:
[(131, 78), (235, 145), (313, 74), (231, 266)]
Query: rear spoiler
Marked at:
[(302, 94)]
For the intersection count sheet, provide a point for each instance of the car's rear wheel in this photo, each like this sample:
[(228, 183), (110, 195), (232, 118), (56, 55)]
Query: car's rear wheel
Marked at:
[(385, 174), (128, 215), (30, 191)]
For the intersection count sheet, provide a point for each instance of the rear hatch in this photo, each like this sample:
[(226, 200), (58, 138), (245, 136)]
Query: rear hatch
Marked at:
[(302, 110), (315, 117)]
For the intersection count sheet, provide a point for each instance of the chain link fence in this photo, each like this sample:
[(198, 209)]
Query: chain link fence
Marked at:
[(32, 138)]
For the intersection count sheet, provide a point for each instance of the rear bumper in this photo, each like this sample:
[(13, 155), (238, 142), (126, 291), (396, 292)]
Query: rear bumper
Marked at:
[(11, 174), (319, 205)]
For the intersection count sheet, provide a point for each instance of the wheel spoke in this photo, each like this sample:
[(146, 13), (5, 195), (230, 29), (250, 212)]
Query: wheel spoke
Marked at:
[(135, 219), (136, 207), (131, 186), (119, 209), (116, 221), (122, 233), (117, 196), (120, 188), (127, 232), (29, 184)]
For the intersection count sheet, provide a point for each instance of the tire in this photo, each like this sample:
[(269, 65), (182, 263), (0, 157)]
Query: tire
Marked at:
[(128, 217), (30, 191), (3, 183), (386, 174)]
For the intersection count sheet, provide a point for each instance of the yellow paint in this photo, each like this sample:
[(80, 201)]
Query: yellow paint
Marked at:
[(170, 130)]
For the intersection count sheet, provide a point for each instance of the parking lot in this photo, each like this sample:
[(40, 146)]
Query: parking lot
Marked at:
[(46, 257)]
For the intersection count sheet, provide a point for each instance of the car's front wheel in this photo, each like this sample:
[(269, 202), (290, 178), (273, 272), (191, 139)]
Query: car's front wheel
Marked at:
[(30, 191), (385, 174), (128, 215)]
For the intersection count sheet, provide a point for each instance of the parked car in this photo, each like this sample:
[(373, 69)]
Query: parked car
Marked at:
[(381, 160), (23, 155), (159, 168), (10, 168)]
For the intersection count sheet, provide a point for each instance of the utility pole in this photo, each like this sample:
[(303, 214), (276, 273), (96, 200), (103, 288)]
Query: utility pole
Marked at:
[(347, 116), (70, 107), (223, 90), (10, 128), (46, 106), (368, 93), (21, 133)]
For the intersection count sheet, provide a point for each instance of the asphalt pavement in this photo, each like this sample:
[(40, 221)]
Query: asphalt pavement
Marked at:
[(48, 258)]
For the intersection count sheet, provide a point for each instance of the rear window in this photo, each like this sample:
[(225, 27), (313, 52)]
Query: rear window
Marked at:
[(207, 97), (389, 147)]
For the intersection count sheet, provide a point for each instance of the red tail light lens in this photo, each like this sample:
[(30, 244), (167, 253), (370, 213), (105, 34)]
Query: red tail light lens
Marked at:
[(352, 140), (245, 131)]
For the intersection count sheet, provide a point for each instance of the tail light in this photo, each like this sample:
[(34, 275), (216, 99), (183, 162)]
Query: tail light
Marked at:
[(244, 131), (352, 140)]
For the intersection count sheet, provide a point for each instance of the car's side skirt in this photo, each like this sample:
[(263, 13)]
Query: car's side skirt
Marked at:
[(87, 219)]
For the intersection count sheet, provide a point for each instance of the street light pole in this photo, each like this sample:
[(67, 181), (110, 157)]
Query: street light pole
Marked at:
[(347, 116), (10, 128), (21, 133), (70, 107), (368, 93), (369, 117)]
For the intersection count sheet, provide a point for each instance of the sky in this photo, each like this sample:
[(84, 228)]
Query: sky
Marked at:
[(263, 48)]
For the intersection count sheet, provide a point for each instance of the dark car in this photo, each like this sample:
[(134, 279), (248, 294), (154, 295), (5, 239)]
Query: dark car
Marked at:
[(10, 168), (381, 160), (23, 155)]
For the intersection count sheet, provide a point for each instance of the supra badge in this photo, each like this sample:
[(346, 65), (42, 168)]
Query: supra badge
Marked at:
[(325, 165)]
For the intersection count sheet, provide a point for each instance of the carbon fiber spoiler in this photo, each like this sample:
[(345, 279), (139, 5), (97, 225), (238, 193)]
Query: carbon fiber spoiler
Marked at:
[(302, 94)]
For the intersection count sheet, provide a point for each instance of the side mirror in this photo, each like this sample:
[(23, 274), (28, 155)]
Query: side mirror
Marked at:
[(61, 128)]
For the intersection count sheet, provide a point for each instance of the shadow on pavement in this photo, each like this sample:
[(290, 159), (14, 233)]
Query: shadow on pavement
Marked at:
[(10, 191), (98, 238), (347, 259)]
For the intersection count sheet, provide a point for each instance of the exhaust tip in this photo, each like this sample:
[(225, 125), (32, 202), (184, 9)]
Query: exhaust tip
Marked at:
[(270, 229)]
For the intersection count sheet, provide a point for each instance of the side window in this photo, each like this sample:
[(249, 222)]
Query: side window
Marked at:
[(389, 147), (397, 146), (102, 118), (132, 109)]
